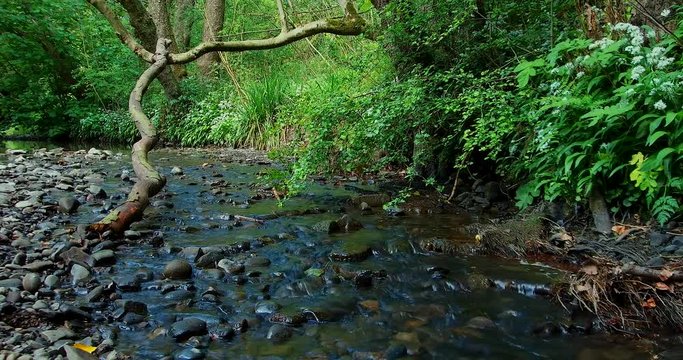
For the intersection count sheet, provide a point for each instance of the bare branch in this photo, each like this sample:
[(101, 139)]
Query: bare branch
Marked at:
[(352, 25), (121, 31), (283, 18)]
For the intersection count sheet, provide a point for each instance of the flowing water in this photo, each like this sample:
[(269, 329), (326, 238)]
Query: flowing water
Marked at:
[(415, 304)]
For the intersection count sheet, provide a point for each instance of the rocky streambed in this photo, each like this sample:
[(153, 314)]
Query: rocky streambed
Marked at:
[(218, 269)]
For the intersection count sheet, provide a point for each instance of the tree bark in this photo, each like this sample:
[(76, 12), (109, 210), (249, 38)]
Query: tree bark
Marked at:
[(214, 15), (600, 212), (184, 20), (145, 30), (150, 181), (158, 9)]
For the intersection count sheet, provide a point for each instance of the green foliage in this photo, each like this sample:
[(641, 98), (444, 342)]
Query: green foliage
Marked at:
[(606, 114), (111, 127)]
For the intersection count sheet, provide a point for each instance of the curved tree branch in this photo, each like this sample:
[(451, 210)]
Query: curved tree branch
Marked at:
[(121, 31), (149, 180), (347, 26)]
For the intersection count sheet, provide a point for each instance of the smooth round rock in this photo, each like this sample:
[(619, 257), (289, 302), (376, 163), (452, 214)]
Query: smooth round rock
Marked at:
[(178, 270), (186, 328), (31, 282)]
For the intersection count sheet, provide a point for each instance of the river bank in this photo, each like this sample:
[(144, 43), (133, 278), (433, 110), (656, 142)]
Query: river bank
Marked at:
[(218, 269)]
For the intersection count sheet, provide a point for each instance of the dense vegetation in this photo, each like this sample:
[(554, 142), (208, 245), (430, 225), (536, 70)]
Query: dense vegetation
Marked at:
[(565, 99)]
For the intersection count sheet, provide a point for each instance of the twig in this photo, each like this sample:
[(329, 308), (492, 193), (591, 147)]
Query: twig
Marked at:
[(247, 218)]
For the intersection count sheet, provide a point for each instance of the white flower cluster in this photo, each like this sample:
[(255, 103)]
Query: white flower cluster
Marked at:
[(657, 58), (660, 105), (637, 72), (636, 35), (665, 12), (544, 136), (601, 44)]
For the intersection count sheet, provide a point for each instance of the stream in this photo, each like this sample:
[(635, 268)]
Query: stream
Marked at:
[(287, 299)]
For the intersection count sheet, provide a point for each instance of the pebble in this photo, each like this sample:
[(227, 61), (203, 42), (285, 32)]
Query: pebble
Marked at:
[(31, 282), (178, 270), (182, 330)]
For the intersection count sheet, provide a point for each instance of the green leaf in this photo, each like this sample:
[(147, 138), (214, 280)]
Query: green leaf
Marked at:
[(654, 137), (314, 272)]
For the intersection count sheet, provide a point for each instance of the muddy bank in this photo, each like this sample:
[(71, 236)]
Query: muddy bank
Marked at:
[(211, 273)]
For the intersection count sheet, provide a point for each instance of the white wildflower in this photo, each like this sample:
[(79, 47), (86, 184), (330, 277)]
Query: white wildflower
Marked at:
[(636, 60), (665, 12), (660, 105), (580, 74), (661, 64), (630, 92), (633, 50), (636, 72)]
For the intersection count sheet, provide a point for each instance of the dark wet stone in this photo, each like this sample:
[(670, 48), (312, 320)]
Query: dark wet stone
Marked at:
[(670, 249), (144, 275), (677, 240), (128, 284), (135, 307), (351, 251), (395, 351), (191, 354), (348, 224), (38, 266), (657, 261), (257, 261), (481, 323), (279, 333), (97, 192), (658, 239), (13, 297), (191, 253), (78, 256), (31, 282), (178, 269), (179, 294), (95, 294), (182, 330), (547, 329), (104, 257), (11, 283), (79, 274), (363, 279), (132, 234), (327, 226), (214, 274), (291, 319), (266, 307), (210, 259), (133, 318), (223, 332), (68, 204)]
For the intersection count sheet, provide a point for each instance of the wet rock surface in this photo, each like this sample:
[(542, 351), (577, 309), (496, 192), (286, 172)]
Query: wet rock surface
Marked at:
[(192, 281)]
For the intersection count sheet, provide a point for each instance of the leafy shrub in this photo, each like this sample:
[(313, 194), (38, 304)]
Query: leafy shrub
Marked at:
[(606, 115), (107, 126)]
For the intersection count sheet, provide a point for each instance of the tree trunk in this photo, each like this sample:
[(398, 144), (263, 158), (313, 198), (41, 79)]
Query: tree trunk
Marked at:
[(214, 14), (184, 20), (150, 181), (600, 212), (145, 30), (158, 9)]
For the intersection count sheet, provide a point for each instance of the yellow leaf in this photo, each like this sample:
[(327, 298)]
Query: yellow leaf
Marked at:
[(87, 348), (637, 159)]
